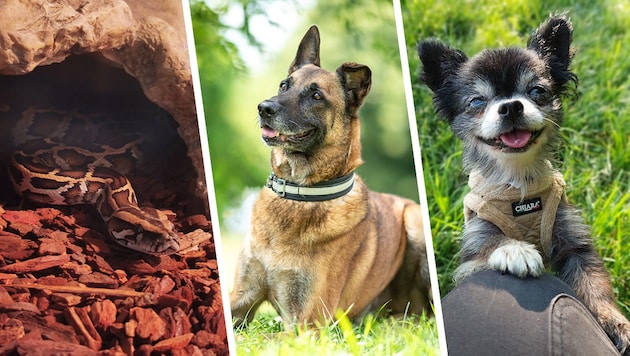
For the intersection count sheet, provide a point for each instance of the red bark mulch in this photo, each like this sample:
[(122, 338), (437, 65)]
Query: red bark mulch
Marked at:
[(65, 288)]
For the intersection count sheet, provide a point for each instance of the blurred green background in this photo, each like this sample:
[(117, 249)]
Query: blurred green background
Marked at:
[(594, 154), (595, 148), (244, 49)]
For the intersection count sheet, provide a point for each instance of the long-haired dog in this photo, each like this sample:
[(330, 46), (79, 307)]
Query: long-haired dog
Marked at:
[(505, 105)]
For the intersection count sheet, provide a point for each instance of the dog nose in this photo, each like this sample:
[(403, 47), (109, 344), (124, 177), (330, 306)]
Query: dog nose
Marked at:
[(511, 110), (268, 108)]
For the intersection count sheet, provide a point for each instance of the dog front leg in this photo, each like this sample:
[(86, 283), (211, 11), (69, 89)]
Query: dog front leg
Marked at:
[(250, 290), (579, 265), (291, 296), (485, 247), (590, 281)]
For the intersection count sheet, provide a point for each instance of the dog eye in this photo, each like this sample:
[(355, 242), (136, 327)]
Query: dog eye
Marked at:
[(317, 96), (537, 92), (284, 86), (477, 102)]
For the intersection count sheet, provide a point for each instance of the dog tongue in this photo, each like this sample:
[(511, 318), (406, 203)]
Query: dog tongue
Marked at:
[(269, 132), (516, 138)]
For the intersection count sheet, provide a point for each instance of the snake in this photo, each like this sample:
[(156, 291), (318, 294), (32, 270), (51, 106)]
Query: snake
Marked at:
[(59, 160)]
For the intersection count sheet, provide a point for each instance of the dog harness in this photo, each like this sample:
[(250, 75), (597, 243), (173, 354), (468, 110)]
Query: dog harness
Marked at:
[(322, 191), (529, 218)]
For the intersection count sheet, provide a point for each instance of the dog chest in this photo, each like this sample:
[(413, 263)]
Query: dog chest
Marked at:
[(530, 218)]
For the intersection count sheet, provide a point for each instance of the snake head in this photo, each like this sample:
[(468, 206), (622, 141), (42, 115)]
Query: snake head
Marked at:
[(144, 229)]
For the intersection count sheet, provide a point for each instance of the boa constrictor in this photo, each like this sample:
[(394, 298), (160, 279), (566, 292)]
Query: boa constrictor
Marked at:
[(61, 170)]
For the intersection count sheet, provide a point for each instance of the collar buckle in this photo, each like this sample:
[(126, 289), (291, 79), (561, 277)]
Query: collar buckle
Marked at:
[(277, 185)]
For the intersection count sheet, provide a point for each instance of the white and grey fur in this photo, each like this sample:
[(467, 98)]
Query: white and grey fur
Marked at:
[(499, 92)]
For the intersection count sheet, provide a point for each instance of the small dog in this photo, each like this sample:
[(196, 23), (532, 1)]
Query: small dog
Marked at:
[(320, 240), (504, 104)]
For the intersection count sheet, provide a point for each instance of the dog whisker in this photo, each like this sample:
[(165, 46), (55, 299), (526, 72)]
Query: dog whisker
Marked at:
[(552, 122)]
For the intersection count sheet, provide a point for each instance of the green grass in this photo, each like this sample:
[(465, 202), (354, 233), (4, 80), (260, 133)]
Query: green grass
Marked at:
[(595, 156), (411, 335), (595, 150)]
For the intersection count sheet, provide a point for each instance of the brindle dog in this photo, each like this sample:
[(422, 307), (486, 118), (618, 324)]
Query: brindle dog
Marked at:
[(320, 241)]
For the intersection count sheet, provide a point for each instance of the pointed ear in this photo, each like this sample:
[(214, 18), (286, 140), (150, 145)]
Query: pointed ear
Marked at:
[(308, 51), (356, 80), (552, 41), (439, 61)]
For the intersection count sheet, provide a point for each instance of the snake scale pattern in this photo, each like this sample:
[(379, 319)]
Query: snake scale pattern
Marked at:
[(69, 158)]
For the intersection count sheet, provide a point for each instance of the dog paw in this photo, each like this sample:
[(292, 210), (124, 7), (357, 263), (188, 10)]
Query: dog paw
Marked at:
[(623, 343), (518, 258), (619, 332)]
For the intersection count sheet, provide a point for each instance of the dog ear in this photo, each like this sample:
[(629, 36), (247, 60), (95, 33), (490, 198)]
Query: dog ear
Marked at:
[(308, 50), (439, 61), (356, 80), (552, 41)]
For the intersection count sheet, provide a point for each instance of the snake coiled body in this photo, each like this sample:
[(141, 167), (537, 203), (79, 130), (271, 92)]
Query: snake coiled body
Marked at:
[(61, 170)]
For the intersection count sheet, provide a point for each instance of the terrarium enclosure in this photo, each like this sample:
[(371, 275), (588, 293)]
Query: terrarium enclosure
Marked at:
[(101, 75)]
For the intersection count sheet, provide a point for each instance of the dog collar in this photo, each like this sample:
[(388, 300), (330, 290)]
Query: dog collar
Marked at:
[(322, 191)]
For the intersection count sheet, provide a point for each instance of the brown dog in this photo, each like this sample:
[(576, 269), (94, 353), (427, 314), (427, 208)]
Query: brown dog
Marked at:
[(320, 240)]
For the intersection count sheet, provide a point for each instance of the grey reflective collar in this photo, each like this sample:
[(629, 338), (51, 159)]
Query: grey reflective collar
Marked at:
[(322, 191)]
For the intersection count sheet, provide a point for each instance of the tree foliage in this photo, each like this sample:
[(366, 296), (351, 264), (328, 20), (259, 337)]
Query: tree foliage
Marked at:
[(361, 31)]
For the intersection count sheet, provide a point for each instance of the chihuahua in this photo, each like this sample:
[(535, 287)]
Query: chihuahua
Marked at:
[(505, 105)]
